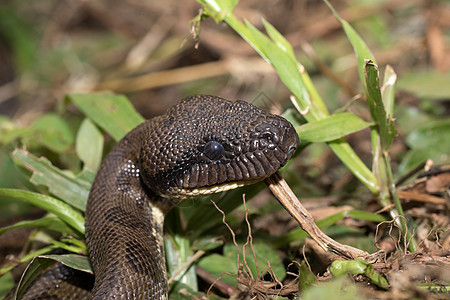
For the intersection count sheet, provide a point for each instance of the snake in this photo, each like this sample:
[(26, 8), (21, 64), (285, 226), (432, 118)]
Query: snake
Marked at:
[(202, 145)]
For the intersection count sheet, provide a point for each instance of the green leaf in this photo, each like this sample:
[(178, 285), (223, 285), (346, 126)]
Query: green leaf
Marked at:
[(385, 124), (52, 223), (360, 48), (74, 261), (63, 184), (427, 142), (331, 128), (41, 263), (217, 265), (69, 248), (54, 133), (334, 289), (431, 135), (89, 145), (113, 113), (33, 270), (281, 57), (219, 9), (65, 212), (307, 278), (429, 83), (263, 253)]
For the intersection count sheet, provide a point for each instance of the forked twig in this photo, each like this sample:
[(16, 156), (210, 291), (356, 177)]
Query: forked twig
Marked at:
[(287, 198)]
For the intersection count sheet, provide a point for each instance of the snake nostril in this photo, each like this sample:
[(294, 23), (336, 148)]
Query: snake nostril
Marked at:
[(292, 148)]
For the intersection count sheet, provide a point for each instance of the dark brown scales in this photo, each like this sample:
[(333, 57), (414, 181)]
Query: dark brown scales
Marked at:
[(202, 143)]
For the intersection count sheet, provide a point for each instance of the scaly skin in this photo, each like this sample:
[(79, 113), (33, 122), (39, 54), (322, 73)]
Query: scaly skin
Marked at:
[(202, 145)]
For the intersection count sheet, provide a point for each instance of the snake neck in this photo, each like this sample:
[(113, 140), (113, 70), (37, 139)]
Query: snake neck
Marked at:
[(124, 228)]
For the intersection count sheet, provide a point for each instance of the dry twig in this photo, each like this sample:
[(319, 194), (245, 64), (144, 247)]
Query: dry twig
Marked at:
[(287, 198)]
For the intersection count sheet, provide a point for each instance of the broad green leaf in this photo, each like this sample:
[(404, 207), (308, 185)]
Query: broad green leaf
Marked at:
[(41, 263), (427, 142), (431, 135), (53, 132), (429, 83), (263, 253), (385, 123), (307, 278), (89, 145), (63, 184), (114, 113), (33, 270), (331, 128), (218, 265), (65, 212), (362, 52), (74, 261), (29, 256), (52, 223)]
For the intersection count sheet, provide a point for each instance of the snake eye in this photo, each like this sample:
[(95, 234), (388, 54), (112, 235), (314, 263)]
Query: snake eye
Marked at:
[(214, 150)]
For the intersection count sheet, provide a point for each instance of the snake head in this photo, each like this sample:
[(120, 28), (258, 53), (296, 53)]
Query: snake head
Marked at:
[(206, 144)]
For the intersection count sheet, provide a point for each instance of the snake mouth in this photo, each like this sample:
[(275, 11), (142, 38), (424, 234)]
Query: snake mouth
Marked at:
[(189, 193)]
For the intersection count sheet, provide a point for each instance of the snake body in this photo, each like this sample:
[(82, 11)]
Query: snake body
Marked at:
[(202, 145)]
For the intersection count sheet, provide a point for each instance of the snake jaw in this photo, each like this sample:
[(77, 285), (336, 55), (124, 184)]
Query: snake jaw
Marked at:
[(187, 193), (207, 144)]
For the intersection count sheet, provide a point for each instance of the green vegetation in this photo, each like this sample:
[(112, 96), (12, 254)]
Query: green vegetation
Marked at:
[(51, 162)]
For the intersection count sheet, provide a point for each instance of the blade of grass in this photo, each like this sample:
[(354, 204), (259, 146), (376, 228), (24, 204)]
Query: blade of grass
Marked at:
[(385, 124), (65, 212), (62, 184), (331, 128), (383, 134), (52, 223), (359, 46)]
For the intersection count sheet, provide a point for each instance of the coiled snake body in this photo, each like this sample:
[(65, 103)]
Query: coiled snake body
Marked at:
[(202, 145)]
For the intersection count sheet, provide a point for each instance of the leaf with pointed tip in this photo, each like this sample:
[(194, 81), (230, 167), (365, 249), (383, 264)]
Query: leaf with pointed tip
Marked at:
[(65, 212), (113, 113), (62, 184)]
